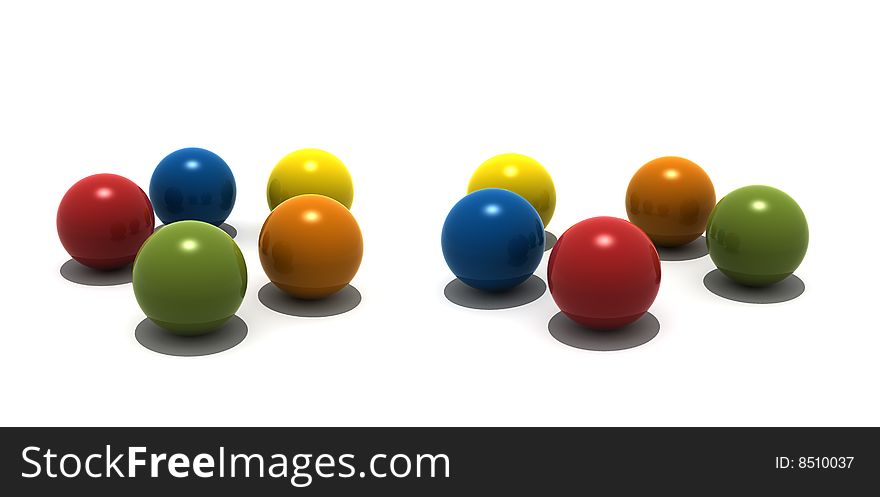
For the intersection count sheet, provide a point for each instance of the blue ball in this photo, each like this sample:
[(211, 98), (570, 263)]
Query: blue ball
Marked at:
[(192, 184), (493, 240)]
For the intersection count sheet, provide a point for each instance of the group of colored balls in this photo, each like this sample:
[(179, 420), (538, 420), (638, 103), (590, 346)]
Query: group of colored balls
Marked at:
[(190, 277), (604, 272)]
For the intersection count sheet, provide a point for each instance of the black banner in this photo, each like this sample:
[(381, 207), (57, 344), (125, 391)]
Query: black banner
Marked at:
[(439, 461)]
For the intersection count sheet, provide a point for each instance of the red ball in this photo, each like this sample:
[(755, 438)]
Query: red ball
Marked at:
[(604, 273), (103, 220)]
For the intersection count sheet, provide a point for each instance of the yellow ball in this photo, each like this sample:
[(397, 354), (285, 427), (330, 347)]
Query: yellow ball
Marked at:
[(522, 175), (310, 171)]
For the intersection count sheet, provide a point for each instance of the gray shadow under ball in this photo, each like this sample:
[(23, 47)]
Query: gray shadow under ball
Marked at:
[(157, 339), (570, 333), (788, 289), (549, 240), (84, 275), (687, 252), (526, 292), (340, 302)]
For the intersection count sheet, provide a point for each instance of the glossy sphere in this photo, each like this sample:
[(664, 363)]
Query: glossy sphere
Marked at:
[(493, 240), (103, 220), (604, 273), (190, 278), (522, 175), (311, 246), (193, 184), (670, 199), (310, 171), (757, 235)]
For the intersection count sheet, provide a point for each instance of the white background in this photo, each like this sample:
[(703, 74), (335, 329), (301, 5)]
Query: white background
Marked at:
[(413, 96)]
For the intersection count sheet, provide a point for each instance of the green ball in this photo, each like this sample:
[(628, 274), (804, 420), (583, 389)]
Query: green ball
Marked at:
[(757, 235), (189, 278)]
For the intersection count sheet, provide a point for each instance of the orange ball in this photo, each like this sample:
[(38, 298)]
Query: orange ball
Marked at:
[(311, 246), (670, 199)]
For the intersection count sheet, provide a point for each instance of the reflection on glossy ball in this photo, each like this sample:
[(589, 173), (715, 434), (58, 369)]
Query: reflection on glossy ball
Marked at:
[(670, 199), (310, 171), (757, 235), (311, 246), (103, 220), (190, 278), (493, 240), (604, 273), (193, 184), (522, 175)]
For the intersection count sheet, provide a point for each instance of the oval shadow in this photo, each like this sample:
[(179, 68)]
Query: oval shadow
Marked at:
[(340, 302), (228, 228), (549, 240), (574, 335), (157, 339), (788, 289), (686, 252), (84, 275), (526, 292)]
